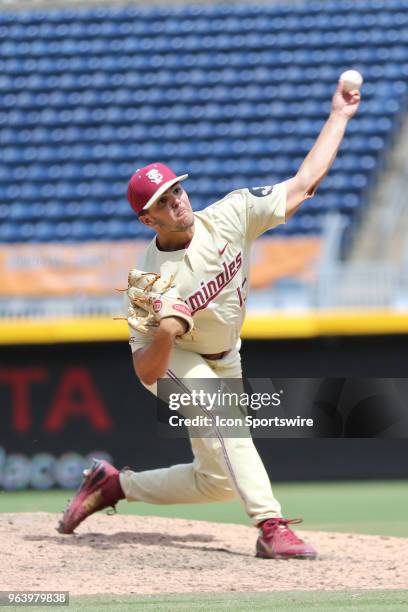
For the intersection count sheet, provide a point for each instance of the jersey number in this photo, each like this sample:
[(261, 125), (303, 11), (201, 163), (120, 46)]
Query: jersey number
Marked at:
[(242, 293)]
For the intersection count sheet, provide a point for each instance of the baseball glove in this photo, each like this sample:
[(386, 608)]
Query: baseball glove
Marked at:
[(153, 298)]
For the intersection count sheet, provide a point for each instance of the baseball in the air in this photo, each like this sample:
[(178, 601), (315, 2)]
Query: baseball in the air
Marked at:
[(352, 80)]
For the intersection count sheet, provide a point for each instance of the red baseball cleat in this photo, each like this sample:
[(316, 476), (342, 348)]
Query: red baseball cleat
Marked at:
[(100, 489), (277, 541)]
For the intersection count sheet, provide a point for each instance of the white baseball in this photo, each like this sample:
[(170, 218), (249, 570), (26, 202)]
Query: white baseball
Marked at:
[(352, 80)]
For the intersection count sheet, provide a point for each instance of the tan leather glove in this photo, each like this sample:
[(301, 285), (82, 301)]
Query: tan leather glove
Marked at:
[(153, 298)]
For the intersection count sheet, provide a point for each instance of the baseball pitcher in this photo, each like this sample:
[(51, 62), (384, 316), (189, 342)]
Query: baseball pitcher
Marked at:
[(185, 308)]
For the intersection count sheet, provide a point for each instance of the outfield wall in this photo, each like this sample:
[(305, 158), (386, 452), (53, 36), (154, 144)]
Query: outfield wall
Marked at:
[(84, 396)]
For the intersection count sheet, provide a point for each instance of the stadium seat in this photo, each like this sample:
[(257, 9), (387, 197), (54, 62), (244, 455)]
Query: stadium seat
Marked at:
[(234, 94)]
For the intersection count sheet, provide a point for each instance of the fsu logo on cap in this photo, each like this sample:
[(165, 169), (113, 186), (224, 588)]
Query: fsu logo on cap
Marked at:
[(154, 176), (157, 305)]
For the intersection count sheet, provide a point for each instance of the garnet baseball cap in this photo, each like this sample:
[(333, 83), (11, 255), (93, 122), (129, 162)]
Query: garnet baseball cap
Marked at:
[(147, 185)]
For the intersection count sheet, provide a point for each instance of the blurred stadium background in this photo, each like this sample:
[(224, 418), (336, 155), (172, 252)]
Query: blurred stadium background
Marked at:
[(234, 94)]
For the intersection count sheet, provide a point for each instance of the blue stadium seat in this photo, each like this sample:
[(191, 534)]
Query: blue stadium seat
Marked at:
[(234, 93)]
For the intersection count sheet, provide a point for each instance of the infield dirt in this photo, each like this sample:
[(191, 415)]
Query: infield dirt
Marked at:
[(124, 554)]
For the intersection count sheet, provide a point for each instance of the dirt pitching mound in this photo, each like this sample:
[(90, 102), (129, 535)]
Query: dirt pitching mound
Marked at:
[(145, 555)]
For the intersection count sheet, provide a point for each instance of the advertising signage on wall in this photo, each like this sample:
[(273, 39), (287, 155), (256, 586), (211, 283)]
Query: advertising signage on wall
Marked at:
[(97, 268), (82, 398), (73, 394), (79, 399)]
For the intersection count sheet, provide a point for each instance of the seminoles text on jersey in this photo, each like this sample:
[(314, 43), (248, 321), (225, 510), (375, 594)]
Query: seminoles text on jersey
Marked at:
[(210, 289)]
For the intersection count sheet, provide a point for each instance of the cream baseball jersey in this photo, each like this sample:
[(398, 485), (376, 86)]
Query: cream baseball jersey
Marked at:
[(212, 273)]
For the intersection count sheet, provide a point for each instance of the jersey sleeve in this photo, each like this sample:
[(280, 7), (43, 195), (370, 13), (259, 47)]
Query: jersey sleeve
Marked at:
[(266, 208), (251, 212)]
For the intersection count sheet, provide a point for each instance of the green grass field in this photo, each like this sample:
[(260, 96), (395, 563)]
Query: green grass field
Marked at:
[(370, 507), (359, 601), (368, 601), (362, 507)]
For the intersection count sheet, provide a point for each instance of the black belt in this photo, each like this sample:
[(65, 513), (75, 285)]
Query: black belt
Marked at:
[(215, 356)]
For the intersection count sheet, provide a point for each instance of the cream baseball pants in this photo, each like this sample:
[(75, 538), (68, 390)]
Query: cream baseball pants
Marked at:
[(223, 468)]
